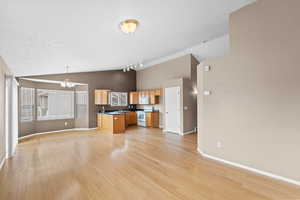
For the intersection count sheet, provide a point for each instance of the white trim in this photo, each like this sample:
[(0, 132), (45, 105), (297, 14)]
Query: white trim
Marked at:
[(171, 132), (49, 132), (209, 48), (181, 133), (250, 168), (49, 81), (2, 163), (188, 132)]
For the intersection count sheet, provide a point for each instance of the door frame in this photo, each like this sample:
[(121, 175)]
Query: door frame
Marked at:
[(11, 115)]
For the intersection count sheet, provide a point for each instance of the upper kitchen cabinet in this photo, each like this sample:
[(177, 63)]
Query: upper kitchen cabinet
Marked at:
[(158, 92), (134, 98), (102, 97), (144, 97), (147, 97), (153, 98)]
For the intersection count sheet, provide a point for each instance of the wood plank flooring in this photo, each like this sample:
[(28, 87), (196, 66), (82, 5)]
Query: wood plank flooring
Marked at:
[(139, 165)]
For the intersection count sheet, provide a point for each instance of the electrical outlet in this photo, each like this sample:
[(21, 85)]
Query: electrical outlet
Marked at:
[(66, 123), (219, 145)]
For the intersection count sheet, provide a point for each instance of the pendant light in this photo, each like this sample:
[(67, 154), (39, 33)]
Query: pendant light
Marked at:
[(66, 83)]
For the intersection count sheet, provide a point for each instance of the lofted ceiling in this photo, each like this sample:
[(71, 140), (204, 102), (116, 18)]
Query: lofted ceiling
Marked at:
[(43, 36)]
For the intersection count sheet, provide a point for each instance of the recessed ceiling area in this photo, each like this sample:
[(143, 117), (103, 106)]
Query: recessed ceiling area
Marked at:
[(43, 37)]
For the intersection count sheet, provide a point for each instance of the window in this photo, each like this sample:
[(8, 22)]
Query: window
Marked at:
[(81, 104), (55, 104), (118, 98), (27, 97)]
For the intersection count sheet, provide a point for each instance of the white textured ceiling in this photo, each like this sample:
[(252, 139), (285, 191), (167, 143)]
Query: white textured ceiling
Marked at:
[(43, 36)]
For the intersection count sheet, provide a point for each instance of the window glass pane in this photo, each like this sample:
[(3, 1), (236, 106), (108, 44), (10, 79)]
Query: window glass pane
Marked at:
[(55, 104), (114, 98), (27, 98), (81, 104), (118, 98), (123, 99)]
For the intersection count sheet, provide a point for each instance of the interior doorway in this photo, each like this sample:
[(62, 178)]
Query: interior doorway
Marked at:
[(172, 110)]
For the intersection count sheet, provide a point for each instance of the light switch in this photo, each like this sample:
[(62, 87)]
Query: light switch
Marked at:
[(185, 108), (207, 68), (207, 93)]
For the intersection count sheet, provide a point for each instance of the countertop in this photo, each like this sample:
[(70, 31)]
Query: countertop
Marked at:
[(119, 112)]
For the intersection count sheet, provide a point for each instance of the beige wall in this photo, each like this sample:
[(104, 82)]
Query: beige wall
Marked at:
[(179, 72), (2, 109), (254, 108)]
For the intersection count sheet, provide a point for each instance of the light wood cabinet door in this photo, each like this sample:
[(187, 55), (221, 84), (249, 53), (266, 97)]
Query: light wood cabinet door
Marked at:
[(158, 92), (101, 97), (152, 119), (134, 98), (119, 123), (154, 99), (131, 118), (99, 121)]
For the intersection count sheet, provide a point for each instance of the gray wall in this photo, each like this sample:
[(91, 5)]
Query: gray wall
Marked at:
[(27, 128), (115, 80), (177, 72), (254, 108)]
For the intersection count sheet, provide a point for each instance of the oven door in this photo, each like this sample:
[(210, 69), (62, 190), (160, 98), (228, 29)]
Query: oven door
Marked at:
[(141, 116)]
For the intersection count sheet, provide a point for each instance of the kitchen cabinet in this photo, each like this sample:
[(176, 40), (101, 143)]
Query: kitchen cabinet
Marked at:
[(102, 97), (148, 97), (119, 123), (111, 123), (119, 99), (130, 118), (134, 98), (153, 98), (144, 98), (152, 119), (158, 92)]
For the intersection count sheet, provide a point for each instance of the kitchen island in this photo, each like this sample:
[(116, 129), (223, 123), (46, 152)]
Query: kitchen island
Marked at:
[(117, 121), (113, 122)]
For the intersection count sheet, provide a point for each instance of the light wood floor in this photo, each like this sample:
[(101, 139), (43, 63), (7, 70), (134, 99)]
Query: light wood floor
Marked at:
[(139, 165)]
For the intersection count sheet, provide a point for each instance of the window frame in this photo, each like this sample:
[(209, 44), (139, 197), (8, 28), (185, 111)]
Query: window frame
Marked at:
[(60, 118), (33, 108), (119, 97)]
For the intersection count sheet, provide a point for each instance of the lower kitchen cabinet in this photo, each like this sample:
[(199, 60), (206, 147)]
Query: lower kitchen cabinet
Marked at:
[(152, 119), (111, 123), (130, 118)]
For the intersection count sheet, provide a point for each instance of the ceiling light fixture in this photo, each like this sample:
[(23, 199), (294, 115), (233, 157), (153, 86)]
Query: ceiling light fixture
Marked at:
[(133, 67), (129, 25), (66, 83)]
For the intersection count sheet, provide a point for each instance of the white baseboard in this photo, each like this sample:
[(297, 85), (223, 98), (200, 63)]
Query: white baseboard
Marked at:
[(164, 130), (188, 132), (288, 180), (49, 132), (182, 133), (2, 163)]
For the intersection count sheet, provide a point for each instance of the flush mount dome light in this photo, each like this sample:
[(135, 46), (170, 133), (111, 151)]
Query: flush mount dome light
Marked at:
[(129, 25)]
